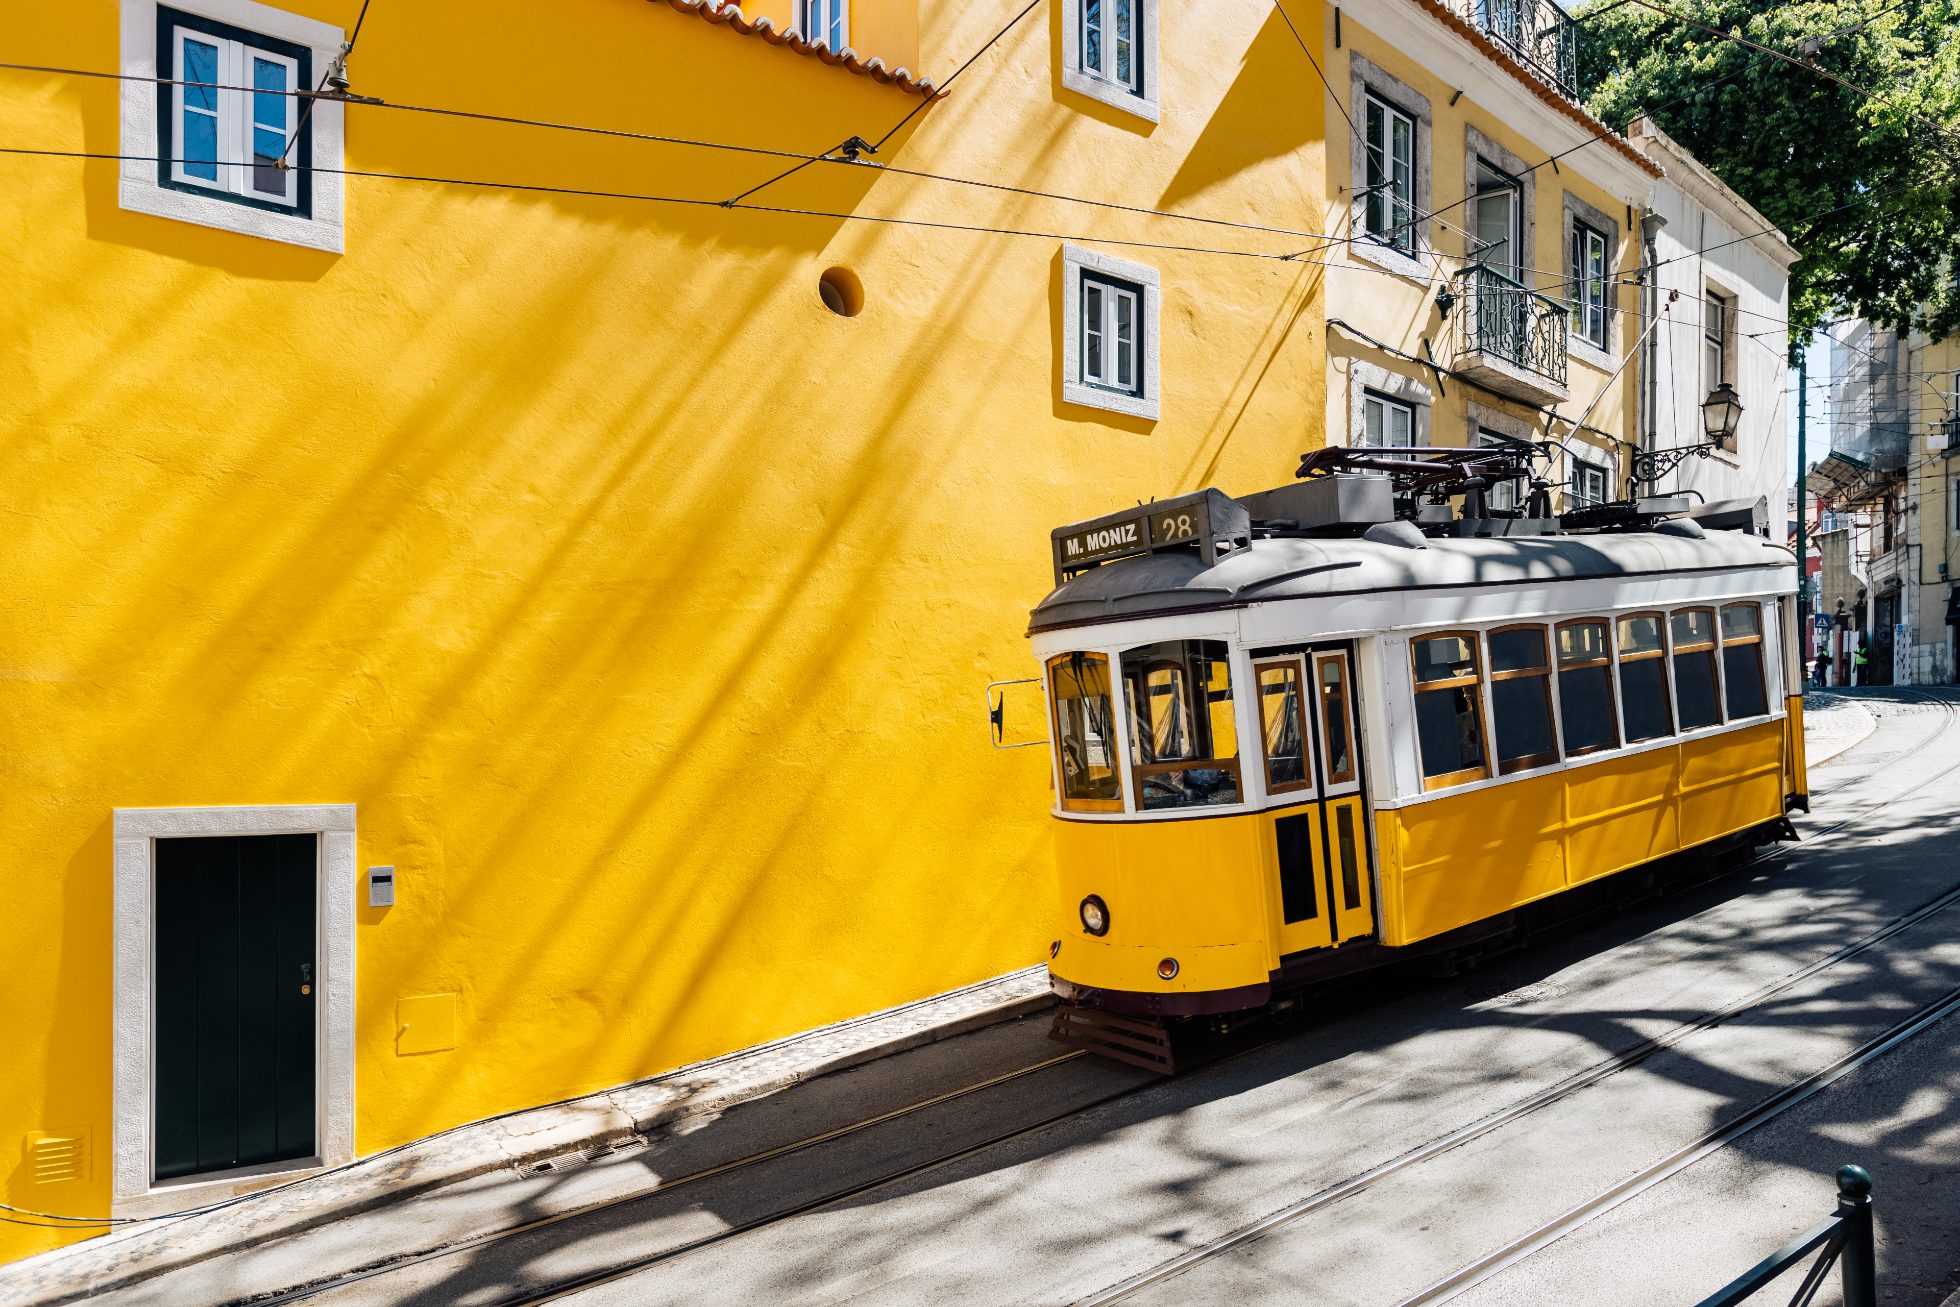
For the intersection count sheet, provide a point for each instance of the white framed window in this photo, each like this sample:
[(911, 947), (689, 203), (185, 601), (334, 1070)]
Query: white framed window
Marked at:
[(1386, 421), (213, 102), (828, 21), (1109, 53), (1109, 324), (1587, 271), (1388, 207), (1494, 221), (1589, 483), (1505, 493), (1717, 320)]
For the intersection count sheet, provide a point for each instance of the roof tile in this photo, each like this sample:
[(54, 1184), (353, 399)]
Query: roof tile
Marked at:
[(724, 12)]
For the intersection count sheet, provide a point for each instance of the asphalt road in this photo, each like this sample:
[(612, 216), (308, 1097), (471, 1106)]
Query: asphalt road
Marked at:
[(1081, 1175)]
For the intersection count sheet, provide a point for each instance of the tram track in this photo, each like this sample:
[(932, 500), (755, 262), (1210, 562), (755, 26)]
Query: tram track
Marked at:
[(1321, 1198)]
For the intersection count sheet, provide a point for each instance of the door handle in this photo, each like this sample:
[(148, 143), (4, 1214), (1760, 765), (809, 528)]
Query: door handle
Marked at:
[(306, 978)]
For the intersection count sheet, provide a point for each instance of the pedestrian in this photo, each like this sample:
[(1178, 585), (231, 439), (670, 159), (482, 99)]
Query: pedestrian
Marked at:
[(1858, 660), (1823, 668)]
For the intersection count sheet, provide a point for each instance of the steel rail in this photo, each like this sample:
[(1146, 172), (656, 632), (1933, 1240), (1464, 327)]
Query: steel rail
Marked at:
[(299, 1293), (1679, 1160)]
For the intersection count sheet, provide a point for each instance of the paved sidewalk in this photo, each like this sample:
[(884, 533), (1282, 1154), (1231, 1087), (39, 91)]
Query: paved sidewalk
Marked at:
[(536, 1141), (1832, 723)]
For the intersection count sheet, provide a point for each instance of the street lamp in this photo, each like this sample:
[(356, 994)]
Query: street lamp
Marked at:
[(1721, 413)]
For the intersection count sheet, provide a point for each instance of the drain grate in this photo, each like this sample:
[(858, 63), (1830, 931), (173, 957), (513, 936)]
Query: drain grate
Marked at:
[(584, 1156)]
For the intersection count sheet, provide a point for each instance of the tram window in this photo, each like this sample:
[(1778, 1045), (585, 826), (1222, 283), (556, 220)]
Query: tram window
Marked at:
[(1449, 722), (1336, 722), (1742, 660), (1184, 736), (1283, 726), (1085, 745), (1695, 689), (1521, 698), (1643, 678), (1585, 688)]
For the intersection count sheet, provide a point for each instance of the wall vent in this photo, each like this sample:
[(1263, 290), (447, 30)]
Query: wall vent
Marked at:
[(58, 1158)]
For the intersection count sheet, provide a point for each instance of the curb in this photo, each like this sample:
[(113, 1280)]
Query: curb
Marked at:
[(528, 1137), (1838, 705)]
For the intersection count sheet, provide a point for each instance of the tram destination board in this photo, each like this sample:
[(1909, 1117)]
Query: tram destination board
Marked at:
[(1209, 519)]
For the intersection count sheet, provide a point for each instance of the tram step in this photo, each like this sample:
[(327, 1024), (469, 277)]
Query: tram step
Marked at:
[(1136, 1040)]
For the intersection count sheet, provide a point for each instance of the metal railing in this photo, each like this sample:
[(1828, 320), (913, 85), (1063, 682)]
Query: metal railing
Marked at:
[(1500, 316), (1845, 1237), (1537, 33)]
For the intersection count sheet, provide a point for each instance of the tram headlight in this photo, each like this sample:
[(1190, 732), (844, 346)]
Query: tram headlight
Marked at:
[(1095, 916), (1167, 969)]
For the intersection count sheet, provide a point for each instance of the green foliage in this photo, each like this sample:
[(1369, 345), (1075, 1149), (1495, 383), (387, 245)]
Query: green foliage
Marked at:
[(1868, 191)]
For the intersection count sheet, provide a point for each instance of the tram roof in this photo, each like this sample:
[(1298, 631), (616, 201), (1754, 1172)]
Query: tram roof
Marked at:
[(1291, 567)]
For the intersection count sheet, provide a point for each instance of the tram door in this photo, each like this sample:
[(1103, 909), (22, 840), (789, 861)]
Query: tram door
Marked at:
[(1314, 777), (1344, 817)]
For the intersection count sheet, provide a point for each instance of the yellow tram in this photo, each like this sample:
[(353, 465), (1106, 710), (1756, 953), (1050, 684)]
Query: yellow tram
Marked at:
[(1331, 726)]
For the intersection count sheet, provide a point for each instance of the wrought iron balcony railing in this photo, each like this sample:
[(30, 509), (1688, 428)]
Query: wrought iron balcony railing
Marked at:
[(1500, 322), (1542, 37)]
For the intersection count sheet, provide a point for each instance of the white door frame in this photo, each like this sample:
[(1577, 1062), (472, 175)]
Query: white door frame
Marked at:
[(133, 1192)]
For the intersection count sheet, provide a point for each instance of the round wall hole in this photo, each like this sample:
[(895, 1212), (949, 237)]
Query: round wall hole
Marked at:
[(842, 292)]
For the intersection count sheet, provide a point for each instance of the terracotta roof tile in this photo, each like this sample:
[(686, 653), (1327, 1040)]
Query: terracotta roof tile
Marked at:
[(724, 12)]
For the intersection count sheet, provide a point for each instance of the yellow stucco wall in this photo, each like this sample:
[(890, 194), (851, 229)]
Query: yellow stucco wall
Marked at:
[(640, 604)]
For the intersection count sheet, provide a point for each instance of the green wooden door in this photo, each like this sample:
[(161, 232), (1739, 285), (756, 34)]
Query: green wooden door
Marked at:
[(235, 977)]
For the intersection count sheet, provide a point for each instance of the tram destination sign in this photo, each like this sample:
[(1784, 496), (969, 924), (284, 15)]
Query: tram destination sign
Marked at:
[(1210, 520)]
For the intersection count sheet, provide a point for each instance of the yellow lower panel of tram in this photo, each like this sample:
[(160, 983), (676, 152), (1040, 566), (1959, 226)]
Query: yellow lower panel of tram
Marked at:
[(1452, 861)]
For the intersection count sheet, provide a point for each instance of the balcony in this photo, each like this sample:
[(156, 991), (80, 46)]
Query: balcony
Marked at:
[(1509, 338), (1537, 33)]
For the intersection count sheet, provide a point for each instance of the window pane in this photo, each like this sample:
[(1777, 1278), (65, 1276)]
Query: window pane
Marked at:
[(1694, 688), (1399, 426), (1582, 641), (1448, 730), (1375, 171), (1371, 420), (1337, 732), (1585, 709), (1521, 711), (200, 65), (1125, 349), (1517, 650), (267, 178), (1643, 699), (268, 101), (1180, 695), (1279, 710), (1444, 657), (1640, 634), (1123, 41), (1742, 668), (1084, 744), (1092, 52), (1695, 626), (1092, 336), (1741, 620), (200, 148)]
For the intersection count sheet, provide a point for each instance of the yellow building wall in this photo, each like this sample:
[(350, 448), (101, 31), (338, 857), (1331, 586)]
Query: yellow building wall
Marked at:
[(640, 604), (1401, 313)]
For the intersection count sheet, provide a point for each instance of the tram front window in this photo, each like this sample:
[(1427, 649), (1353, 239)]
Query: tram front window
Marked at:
[(1085, 739), (1184, 740)]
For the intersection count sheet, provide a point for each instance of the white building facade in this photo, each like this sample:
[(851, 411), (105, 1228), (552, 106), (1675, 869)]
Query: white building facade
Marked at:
[(1718, 300)]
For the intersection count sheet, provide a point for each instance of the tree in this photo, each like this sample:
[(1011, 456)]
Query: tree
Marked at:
[(1866, 187)]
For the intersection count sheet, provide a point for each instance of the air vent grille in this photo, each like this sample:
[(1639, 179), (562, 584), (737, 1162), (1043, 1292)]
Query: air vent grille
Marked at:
[(58, 1158)]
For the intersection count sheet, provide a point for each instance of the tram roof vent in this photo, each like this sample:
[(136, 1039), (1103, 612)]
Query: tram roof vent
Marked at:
[(1345, 503)]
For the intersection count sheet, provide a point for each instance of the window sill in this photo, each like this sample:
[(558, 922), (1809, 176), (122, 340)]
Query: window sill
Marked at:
[(1111, 94), (1113, 401), (1392, 260), (1584, 351)]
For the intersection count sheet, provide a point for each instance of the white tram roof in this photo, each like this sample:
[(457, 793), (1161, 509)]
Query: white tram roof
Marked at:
[(1292, 567)]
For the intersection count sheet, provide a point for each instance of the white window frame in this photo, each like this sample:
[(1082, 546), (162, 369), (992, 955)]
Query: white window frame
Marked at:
[(235, 118), (1504, 494), (1388, 216), (827, 21), (1112, 342), (1079, 268), (133, 1192), (141, 187), (1589, 294), (1581, 468), (1139, 94), (1386, 406)]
